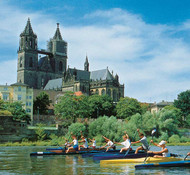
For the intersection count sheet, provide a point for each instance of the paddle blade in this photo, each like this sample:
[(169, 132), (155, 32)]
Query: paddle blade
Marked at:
[(153, 131)]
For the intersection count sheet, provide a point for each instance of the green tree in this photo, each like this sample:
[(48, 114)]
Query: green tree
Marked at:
[(40, 132), (126, 107), (183, 102), (100, 105), (17, 111), (41, 103), (72, 107), (75, 128)]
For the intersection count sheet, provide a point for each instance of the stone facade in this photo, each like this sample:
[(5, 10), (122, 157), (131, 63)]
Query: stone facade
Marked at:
[(34, 71)]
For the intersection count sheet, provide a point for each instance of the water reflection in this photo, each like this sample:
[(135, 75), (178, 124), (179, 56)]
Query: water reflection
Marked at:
[(16, 160)]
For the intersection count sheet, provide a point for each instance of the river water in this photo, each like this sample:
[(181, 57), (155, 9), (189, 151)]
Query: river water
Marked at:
[(17, 160)]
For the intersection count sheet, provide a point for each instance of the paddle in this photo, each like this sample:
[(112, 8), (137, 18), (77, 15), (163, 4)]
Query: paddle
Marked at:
[(130, 144), (152, 133), (186, 156)]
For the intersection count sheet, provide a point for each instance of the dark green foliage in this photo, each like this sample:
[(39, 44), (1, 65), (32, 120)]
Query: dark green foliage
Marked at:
[(183, 102), (126, 107), (72, 107), (41, 103), (100, 105), (16, 108), (76, 128)]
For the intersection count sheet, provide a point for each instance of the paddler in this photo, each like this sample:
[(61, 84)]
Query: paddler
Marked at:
[(67, 144), (109, 143), (143, 140), (93, 143), (126, 143), (84, 140), (75, 144), (164, 151)]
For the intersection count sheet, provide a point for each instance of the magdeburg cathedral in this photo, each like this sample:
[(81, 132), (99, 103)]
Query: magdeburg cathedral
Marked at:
[(50, 72)]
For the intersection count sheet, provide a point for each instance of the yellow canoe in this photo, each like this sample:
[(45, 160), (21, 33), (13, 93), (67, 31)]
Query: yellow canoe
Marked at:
[(140, 160)]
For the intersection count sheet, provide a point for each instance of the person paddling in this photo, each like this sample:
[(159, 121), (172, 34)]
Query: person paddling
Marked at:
[(93, 143), (126, 143), (164, 151), (109, 143), (84, 140), (75, 144), (143, 140), (67, 144)]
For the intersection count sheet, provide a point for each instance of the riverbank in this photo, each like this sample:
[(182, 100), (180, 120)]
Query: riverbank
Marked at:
[(49, 143)]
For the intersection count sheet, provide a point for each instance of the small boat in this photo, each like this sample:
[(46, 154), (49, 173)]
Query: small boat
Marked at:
[(82, 151), (185, 163), (123, 156), (141, 160)]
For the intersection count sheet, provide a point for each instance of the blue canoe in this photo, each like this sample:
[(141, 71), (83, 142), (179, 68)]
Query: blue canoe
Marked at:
[(185, 163)]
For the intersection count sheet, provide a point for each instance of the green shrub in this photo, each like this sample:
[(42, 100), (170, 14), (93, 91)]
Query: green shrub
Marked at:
[(164, 136), (174, 139), (75, 128), (184, 139), (40, 132), (5, 113)]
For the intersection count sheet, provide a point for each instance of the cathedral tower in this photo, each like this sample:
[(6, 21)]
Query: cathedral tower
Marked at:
[(27, 56), (58, 47)]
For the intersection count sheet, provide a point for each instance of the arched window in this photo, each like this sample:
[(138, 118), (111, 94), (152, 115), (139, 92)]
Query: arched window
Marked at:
[(60, 66), (97, 91), (21, 61), (103, 92), (30, 62)]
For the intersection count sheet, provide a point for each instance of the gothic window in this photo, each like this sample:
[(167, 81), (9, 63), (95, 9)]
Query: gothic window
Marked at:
[(30, 43), (103, 92), (42, 82), (19, 97), (60, 66), (109, 92), (21, 61), (19, 88), (30, 62), (114, 95)]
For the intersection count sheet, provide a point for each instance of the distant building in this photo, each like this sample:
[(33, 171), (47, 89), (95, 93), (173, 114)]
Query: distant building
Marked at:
[(158, 106), (50, 72), (18, 92)]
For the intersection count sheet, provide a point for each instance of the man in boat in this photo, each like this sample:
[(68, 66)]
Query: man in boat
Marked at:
[(73, 148), (93, 143), (126, 143), (67, 144), (164, 151), (109, 143), (84, 140), (188, 154), (143, 140)]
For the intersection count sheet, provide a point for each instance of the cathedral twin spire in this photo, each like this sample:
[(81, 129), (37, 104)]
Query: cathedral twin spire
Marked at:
[(57, 35), (28, 29)]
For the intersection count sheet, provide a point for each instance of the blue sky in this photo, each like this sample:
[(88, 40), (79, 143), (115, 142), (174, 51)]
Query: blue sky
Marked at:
[(145, 42)]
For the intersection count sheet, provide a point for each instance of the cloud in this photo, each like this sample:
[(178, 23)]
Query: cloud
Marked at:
[(149, 59)]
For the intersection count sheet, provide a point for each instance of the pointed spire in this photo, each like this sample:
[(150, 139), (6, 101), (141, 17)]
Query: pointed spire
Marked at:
[(28, 29), (86, 64), (57, 35)]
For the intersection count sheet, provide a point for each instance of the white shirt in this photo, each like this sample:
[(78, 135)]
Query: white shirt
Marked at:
[(85, 143), (110, 143), (75, 142), (126, 143), (144, 142), (94, 143)]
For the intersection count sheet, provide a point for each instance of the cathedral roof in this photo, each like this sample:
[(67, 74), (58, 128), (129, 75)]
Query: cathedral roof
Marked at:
[(54, 84), (80, 74), (28, 29), (19, 84), (103, 74), (57, 35)]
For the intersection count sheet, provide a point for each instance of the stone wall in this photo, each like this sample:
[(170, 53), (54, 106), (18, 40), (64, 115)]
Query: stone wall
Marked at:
[(15, 131)]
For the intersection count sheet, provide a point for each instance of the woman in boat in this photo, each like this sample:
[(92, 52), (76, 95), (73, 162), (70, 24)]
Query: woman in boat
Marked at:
[(75, 145), (126, 143), (84, 140), (93, 143), (67, 144), (164, 151), (143, 140), (109, 143)]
